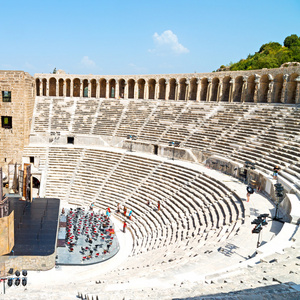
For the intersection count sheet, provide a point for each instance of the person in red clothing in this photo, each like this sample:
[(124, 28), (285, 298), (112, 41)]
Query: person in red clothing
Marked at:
[(124, 227), (158, 205), (125, 210)]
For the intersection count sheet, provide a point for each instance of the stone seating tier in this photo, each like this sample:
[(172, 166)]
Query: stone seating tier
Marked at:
[(191, 202)]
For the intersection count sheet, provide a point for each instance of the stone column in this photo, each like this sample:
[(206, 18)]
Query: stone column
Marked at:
[(219, 91), (198, 95), (97, 89), (47, 87), (71, 88), (125, 90), (244, 89), (284, 89), (156, 91), (176, 90), (89, 89), (57, 89), (41, 87), (81, 88), (135, 90), (64, 88), (167, 94), (208, 92), (297, 99), (107, 95), (146, 91), (117, 90), (270, 91), (187, 90), (231, 89), (256, 89)]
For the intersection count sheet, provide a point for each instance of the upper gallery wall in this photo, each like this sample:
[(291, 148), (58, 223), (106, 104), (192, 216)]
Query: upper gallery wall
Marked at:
[(279, 85)]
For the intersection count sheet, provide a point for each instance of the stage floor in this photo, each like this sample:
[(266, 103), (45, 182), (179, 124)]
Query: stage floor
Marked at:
[(35, 226), (98, 243)]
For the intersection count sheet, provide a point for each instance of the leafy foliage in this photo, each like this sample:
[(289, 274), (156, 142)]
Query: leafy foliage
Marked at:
[(271, 55), (292, 40)]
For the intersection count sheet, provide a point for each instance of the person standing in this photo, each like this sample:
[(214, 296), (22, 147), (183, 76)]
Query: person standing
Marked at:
[(250, 191), (276, 169), (92, 206), (158, 205), (130, 215), (124, 227), (118, 208)]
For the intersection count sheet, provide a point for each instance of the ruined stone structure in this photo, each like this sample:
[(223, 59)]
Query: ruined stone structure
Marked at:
[(221, 121), (259, 86), (16, 109), (19, 89)]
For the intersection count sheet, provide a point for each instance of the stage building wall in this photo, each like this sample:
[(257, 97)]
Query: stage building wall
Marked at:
[(7, 234), (16, 109)]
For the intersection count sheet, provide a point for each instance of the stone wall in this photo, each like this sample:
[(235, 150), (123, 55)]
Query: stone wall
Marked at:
[(35, 263), (281, 85), (13, 140)]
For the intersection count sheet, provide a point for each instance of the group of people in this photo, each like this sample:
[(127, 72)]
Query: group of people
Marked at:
[(125, 210), (89, 230), (127, 213)]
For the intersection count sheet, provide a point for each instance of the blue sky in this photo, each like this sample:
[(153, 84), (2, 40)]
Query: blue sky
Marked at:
[(139, 37)]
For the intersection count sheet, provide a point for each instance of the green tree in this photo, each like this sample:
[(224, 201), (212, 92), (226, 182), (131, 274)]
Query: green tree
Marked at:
[(271, 55), (292, 40), (272, 46)]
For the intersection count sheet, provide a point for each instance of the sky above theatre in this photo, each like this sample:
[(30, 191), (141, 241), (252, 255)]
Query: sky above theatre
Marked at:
[(139, 37)]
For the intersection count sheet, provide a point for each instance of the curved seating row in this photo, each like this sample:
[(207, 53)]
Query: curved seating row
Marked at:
[(192, 203), (262, 133)]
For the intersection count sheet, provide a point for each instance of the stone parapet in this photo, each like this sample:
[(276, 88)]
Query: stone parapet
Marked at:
[(279, 85)]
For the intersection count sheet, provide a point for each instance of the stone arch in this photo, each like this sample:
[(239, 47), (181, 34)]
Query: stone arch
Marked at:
[(121, 88), (76, 87), (112, 88), (182, 89), (226, 89), (278, 84), (37, 86), (68, 87), (131, 84), (214, 89), (264, 87), (52, 87), (85, 88), (173, 85), (162, 88), (60, 87), (250, 89), (35, 182), (141, 88), (151, 88), (204, 86), (292, 89), (93, 88), (238, 88), (103, 83), (193, 89)]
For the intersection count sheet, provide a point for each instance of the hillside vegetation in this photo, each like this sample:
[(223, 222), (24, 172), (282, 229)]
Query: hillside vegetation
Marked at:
[(270, 55)]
